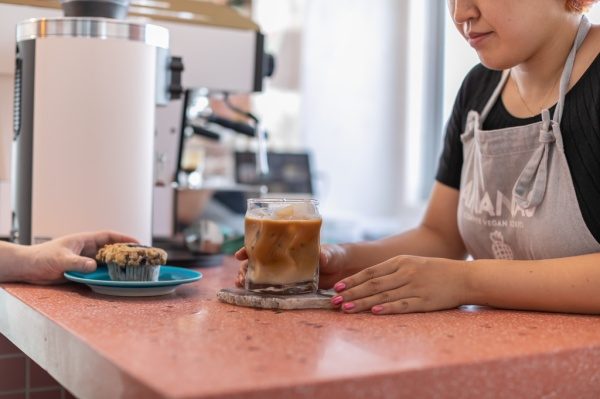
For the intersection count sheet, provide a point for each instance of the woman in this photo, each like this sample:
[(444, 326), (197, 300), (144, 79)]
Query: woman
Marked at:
[(45, 263), (518, 183)]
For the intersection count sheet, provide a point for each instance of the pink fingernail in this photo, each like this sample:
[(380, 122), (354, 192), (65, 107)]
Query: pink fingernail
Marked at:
[(349, 306), (376, 308), (339, 287), (337, 300)]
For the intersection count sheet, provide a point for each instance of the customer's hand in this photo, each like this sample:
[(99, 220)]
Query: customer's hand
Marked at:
[(330, 265), (45, 263), (404, 284)]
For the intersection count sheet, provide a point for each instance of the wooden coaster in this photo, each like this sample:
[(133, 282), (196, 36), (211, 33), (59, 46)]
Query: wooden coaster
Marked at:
[(241, 297)]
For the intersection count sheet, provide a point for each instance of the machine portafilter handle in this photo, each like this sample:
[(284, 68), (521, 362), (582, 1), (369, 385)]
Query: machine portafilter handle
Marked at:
[(242, 128), (201, 131)]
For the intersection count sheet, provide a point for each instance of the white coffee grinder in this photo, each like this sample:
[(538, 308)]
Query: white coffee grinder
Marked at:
[(86, 88)]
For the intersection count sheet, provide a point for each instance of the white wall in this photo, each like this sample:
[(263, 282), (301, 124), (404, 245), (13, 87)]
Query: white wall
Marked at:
[(594, 14), (279, 105), (352, 102)]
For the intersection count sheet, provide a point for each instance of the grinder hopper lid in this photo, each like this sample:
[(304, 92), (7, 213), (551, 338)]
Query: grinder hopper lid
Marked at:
[(116, 9)]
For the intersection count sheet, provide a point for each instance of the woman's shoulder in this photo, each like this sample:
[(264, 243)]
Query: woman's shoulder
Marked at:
[(594, 47), (592, 70), (593, 39), (588, 57), (586, 70)]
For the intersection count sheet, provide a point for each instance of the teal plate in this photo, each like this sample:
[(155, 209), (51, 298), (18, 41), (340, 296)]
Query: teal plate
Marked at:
[(169, 278)]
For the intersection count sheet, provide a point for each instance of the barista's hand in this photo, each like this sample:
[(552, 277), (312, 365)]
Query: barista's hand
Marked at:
[(404, 284), (45, 263), (242, 256), (330, 265)]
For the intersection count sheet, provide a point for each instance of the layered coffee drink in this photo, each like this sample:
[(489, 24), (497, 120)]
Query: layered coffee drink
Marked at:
[(282, 238)]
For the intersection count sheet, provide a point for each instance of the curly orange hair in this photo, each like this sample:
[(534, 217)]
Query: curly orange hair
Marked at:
[(579, 5)]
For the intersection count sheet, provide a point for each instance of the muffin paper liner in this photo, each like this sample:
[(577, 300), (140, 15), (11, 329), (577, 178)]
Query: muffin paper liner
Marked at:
[(133, 273)]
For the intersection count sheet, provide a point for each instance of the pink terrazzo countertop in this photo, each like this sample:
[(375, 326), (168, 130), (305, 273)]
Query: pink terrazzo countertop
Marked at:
[(189, 345)]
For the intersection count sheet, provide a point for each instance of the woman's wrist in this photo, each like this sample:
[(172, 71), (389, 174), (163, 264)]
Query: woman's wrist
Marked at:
[(357, 256), (344, 254), (466, 293), (474, 279)]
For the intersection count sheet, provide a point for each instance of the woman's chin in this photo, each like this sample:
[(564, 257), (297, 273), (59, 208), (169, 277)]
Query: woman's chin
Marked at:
[(494, 62)]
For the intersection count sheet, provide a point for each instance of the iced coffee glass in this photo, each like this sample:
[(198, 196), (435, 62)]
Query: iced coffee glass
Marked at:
[(282, 241)]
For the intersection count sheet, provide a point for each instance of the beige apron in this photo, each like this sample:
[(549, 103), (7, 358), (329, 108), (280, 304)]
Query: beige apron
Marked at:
[(517, 199)]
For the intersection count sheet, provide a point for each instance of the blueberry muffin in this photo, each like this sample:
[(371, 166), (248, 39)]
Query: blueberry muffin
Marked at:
[(132, 262)]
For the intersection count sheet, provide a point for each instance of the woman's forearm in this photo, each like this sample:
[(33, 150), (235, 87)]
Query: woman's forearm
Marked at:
[(420, 241), (437, 236), (556, 285)]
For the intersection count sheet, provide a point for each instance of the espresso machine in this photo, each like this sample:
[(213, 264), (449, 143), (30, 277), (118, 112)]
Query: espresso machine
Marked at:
[(86, 128), (86, 87)]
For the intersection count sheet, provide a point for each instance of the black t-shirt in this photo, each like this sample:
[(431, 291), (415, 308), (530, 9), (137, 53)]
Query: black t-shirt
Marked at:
[(580, 127)]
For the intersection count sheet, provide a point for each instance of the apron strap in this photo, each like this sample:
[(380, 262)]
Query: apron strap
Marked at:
[(478, 183), (472, 123), (492, 100), (584, 27), (530, 188)]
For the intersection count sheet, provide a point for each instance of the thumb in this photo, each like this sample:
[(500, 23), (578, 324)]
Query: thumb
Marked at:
[(324, 256), (80, 264), (241, 254)]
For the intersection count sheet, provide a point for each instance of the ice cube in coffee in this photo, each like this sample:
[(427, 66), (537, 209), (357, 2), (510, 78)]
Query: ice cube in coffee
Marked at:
[(282, 241)]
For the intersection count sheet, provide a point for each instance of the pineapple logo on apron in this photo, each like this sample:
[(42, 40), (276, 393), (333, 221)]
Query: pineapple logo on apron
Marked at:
[(500, 249)]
